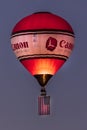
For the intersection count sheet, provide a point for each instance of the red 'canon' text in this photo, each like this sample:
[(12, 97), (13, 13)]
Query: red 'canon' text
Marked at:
[(20, 45), (65, 44)]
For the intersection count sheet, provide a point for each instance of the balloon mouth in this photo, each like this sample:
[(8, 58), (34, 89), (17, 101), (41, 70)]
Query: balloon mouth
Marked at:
[(43, 78)]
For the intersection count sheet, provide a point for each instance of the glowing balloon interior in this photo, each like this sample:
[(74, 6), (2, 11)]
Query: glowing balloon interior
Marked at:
[(42, 42)]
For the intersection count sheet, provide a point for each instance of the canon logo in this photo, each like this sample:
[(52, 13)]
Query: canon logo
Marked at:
[(51, 44)]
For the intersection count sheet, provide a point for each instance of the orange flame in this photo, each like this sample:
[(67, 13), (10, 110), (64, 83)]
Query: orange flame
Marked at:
[(42, 66)]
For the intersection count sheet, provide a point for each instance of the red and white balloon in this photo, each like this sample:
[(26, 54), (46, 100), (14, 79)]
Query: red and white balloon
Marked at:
[(42, 42)]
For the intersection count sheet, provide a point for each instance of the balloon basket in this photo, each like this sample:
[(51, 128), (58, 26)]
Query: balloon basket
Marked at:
[(44, 105)]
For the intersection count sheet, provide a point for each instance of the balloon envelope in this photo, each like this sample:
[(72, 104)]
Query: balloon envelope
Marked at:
[(42, 42)]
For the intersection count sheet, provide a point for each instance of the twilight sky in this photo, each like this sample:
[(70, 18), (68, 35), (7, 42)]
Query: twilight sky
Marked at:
[(68, 88)]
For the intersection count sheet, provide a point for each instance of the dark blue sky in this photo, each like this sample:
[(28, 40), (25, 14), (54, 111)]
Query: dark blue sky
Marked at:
[(68, 88)]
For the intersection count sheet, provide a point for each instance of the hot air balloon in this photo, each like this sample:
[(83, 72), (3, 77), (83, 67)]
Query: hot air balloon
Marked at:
[(42, 42)]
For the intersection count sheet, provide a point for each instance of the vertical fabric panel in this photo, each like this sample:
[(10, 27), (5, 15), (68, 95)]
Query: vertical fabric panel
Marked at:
[(44, 105)]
